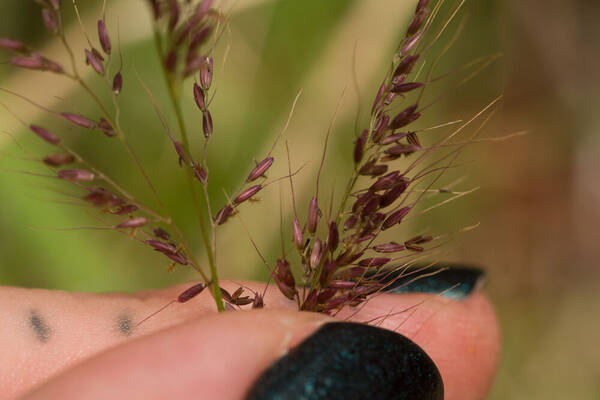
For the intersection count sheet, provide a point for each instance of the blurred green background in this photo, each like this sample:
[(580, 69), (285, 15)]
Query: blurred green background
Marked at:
[(537, 205)]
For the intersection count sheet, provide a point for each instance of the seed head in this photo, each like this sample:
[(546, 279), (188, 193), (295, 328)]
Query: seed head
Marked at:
[(410, 44), (13, 45), (422, 4), (58, 159), (381, 127), (333, 237), (133, 223), (317, 254), (92, 59), (101, 197), (260, 169), (191, 292), (350, 222), (125, 209), (394, 138), (385, 182), (33, 62), (174, 12), (106, 127), (161, 233), (407, 87), (117, 85), (417, 21), (258, 301), (395, 218), (392, 194), (378, 97), (224, 214), (45, 134), (406, 65), (373, 169), (285, 279), (329, 269), (50, 20), (313, 215), (79, 120), (171, 61), (247, 194), (199, 172), (207, 124), (76, 175), (199, 97), (402, 149), (391, 247), (405, 117), (161, 246), (103, 37), (156, 11), (206, 72), (297, 234), (180, 152), (359, 146)]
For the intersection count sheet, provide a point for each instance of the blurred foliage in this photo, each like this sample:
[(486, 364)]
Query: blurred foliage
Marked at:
[(537, 237)]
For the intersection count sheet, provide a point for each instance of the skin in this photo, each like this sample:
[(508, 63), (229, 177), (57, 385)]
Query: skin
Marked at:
[(91, 348)]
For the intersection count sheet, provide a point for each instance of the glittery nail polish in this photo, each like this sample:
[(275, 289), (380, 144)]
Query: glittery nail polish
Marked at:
[(343, 360), (455, 281)]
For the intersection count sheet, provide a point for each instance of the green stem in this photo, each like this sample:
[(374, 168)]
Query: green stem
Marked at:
[(174, 96)]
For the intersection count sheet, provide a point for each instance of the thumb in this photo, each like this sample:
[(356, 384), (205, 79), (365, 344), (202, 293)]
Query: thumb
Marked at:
[(225, 356)]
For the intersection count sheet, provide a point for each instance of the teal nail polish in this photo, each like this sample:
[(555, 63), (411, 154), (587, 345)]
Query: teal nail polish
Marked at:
[(453, 281), (349, 361)]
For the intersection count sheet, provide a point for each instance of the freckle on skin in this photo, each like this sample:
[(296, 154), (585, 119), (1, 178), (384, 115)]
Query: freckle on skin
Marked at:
[(125, 324), (41, 330)]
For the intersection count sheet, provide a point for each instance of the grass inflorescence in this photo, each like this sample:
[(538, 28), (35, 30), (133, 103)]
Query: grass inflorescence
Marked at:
[(335, 256)]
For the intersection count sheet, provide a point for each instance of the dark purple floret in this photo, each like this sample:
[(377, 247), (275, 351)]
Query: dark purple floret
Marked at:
[(333, 237), (92, 59), (359, 146), (161, 233), (247, 194), (391, 247), (392, 194), (117, 85), (407, 87), (313, 215), (45, 134), (103, 37), (206, 72), (199, 97), (417, 21), (79, 120), (224, 214), (50, 19), (260, 169), (191, 292), (106, 127), (133, 223), (285, 279), (207, 124), (13, 45), (404, 117), (406, 65), (395, 218), (58, 159), (297, 234), (76, 175)]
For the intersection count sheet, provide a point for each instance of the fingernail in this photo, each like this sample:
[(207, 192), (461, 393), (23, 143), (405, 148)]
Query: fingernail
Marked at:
[(453, 281), (344, 360)]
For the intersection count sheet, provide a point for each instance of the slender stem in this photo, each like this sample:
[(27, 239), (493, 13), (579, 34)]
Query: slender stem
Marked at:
[(174, 95)]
